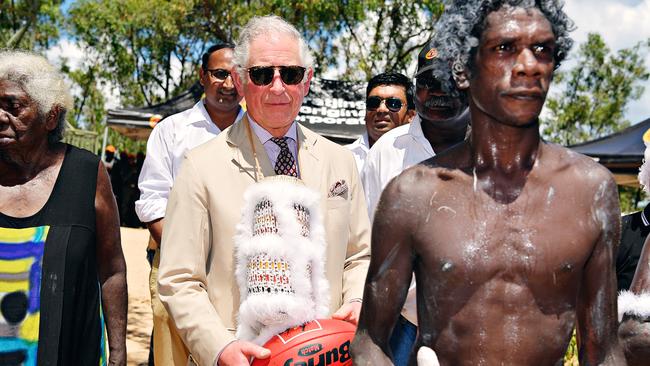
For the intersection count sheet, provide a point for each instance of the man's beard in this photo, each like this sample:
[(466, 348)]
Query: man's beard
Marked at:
[(644, 170)]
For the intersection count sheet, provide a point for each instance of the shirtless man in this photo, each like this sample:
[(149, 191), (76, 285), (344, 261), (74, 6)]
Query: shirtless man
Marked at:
[(511, 239)]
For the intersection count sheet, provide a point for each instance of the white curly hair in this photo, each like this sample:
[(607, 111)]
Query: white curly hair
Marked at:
[(41, 81)]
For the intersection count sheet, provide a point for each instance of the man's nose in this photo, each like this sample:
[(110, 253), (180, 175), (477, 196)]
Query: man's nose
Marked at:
[(527, 64), (4, 116), (277, 86), (382, 107), (228, 84)]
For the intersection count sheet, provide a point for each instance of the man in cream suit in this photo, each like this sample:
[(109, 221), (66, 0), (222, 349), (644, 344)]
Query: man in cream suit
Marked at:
[(196, 279)]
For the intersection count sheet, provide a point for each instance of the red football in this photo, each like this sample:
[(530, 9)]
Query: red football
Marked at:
[(319, 342)]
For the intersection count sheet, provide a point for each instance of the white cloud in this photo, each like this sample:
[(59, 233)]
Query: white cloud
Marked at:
[(622, 24)]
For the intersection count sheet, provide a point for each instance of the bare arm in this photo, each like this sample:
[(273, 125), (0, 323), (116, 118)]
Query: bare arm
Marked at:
[(597, 322), (111, 268), (634, 330), (155, 229), (389, 276)]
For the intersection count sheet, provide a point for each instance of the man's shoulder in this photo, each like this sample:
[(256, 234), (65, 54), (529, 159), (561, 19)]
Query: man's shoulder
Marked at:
[(172, 120), (582, 168), (323, 144), (211, 151)]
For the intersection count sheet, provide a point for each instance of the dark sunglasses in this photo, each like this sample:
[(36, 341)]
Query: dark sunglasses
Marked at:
[(219, 74), (263, 75), (393, 104), (427, 83)]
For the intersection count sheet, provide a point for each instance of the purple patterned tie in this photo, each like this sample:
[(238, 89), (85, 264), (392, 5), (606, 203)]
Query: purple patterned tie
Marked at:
[(285, 165)]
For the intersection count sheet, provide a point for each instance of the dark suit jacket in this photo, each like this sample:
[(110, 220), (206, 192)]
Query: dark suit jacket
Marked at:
[(633, 234)]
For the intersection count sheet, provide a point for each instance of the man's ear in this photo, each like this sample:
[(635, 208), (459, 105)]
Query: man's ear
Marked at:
[(410, 114), (462, 79), (236, 79), (201, 76)]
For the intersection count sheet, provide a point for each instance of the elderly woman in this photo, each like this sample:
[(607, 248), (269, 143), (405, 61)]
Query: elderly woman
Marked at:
[(62, 272)]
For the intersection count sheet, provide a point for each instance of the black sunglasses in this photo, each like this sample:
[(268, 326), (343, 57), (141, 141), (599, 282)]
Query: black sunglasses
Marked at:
[(219, 74), (263, 75), (427, 83), (393, 104)]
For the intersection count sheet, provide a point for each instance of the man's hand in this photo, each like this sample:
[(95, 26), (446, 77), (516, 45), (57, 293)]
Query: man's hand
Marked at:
[(348, 312), (239, 352)]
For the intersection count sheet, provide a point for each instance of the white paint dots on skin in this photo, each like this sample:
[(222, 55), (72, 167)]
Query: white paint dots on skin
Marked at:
[(447, 209), (550, 195), (447, 267)]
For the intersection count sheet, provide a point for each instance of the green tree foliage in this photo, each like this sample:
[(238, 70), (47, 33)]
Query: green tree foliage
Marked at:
[(150, 50), (147, 49), (29, 24), (594, 93)]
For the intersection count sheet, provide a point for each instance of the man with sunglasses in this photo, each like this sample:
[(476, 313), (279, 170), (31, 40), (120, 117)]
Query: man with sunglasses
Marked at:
[(197, 279), (441, 121), (389, 104), (167, 145)]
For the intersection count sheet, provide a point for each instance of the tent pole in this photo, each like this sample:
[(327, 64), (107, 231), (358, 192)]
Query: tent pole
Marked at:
[(104, 143)]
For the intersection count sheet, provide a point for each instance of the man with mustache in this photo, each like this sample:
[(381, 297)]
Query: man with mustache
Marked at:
[(511, 239), (389, 104), (441, 121), (166, 148)]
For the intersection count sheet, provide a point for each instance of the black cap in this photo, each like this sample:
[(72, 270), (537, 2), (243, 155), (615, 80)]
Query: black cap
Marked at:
[(426, 59)]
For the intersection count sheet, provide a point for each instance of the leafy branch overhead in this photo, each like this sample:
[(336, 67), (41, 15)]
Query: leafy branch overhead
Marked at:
[(595, 92)]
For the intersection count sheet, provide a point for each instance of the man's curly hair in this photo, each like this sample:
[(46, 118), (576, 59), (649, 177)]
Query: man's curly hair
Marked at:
[(459, 29)]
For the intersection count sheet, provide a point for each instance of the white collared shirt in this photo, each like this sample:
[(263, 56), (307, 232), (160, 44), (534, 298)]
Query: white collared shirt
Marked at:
[(360, 148), (166, 148), (391, 154), (272, 149), (398, 149)]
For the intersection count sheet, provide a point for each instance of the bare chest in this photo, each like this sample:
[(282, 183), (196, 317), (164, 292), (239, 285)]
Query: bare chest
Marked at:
[(547, 233)]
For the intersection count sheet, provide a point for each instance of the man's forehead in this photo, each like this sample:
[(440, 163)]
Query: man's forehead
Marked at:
[(389, 88), (509, 22), (276, 48)]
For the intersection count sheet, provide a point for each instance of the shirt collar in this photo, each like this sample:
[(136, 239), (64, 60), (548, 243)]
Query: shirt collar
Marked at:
[(362, 141), (415, 131), (199, 113), (265, 135)]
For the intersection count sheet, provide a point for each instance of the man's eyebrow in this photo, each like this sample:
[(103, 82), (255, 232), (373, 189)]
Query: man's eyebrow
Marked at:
[(499, 39)]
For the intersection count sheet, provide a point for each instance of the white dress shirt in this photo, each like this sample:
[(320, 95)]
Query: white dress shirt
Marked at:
[(360, 148), (166, 148), (272, 149), (396, 150)]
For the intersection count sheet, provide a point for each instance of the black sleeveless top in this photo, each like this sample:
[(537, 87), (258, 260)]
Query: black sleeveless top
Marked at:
[(50, 297)]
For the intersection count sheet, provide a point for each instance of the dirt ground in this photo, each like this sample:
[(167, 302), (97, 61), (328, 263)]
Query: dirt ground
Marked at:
[(134, 242)]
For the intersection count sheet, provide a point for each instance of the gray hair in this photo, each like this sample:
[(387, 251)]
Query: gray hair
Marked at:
[(458, 31), (267, 26), (41, 81)]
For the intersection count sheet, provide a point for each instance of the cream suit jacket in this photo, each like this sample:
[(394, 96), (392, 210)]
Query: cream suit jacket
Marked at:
[(196, 277)]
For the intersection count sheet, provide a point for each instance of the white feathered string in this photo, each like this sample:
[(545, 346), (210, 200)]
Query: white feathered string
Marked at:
[(644, 170), (280, 252)]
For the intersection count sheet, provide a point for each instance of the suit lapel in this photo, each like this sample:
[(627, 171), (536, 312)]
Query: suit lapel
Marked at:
[(243, 157), (308, 162)]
